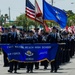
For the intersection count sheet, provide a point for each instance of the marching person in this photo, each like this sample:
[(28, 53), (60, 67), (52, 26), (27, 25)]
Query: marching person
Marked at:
[(13, 39), (38, 37), (30, 39), (66, 54), (44, 37), (53, 38), (4, 40)]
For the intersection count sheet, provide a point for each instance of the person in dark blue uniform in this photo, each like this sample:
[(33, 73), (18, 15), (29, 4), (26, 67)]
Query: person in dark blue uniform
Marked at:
[(53, 38), (22, 34), (39, 40), (30, 39), (13, 39), (44, 37), (66, 54), (4, 40)]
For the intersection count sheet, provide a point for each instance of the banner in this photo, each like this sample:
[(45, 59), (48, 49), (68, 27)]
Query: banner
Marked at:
[(30, 52)]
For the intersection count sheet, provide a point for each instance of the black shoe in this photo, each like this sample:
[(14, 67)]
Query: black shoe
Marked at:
[(27, 72), (36, 67), (31, 71), (55, 71), (18, 68), (10, 71), (15, 72), (5, 65), (45, 68), (51, 71)]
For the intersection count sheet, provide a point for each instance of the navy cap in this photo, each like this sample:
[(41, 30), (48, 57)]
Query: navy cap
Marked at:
[(13, 26), (36, 29), (21, 29), (64, 33), (5, 28), (54, 27), (30, 31), (24, 30)]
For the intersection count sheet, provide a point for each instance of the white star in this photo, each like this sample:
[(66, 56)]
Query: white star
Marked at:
[(57, 15)]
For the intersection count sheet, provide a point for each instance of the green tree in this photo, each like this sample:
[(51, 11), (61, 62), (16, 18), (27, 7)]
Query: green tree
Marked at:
[(3, 19), (22, 20), (71, 18)]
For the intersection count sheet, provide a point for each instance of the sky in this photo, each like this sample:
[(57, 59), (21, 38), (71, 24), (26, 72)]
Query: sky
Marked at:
[(17, 7)]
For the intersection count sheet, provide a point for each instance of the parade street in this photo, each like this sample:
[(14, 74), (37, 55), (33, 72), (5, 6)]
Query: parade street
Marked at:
[(65, 69)]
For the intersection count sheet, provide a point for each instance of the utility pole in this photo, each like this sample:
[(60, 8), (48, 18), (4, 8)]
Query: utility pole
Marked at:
[(9, 14), (52, 2), (0, 13)]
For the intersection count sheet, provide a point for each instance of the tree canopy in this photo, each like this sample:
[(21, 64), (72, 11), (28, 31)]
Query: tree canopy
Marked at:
[(22, 20)]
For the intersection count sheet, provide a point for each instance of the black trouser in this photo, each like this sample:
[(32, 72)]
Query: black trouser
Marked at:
[(54, 66), (45, 64), (30, 67), (5, 59), (13, 66), (36, 65)]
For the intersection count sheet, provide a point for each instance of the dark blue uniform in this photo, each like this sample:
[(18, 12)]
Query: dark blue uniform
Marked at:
[(30, 39), (53, 38), (4, 40), (13, 39)]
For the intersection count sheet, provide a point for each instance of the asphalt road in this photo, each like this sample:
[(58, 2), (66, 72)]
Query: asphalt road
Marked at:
[(65, 69)]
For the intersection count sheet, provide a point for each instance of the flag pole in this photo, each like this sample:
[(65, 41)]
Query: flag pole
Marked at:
[(44, 22), (26, 16), (35, 15), (43, 15), (52, 2)]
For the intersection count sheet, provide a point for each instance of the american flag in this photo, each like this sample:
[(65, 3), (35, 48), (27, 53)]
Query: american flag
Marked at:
[(35, 13), (30, 10)]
